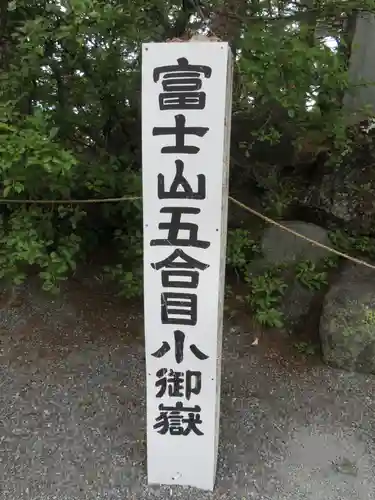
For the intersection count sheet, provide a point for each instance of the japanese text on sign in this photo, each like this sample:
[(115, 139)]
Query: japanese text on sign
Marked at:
[(182, 86)]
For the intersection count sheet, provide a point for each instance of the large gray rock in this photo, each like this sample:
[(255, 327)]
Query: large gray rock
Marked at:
[(297, 299), (347, 325), (279, 246), (346, 194), (296, 303)]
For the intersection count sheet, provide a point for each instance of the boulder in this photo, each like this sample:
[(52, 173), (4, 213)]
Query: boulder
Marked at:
[(296, 303), (347, 324), (345, 196), (281, 247)]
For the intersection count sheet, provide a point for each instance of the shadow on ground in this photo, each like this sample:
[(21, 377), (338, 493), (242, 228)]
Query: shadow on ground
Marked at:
[(72, 411)]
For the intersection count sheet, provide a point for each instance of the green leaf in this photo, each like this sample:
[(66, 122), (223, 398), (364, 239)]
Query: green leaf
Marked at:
[(53, 132), (6, 191), (12, 5), (18, 187)]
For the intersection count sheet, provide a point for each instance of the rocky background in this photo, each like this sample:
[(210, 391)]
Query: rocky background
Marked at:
[(304, 284)]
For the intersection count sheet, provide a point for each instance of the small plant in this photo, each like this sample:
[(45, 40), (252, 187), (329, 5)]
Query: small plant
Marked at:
[(331, 261), (369, 315), (340, 240), (130, 282), (309, 276), (266, 292), (347, 242), (305, 348), (278, 199), (241, 248), (363, 244)]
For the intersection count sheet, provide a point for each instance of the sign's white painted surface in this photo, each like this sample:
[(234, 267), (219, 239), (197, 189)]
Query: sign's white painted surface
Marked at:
[(185, 198)]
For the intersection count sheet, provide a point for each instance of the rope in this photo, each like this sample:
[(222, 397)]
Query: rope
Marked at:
[(287, 229), (299, 235), (233, 200), (242, 205), (69, 202)]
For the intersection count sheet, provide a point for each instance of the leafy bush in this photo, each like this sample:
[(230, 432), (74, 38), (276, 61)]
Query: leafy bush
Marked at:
[(70, 119), (309, 276), (266, 292), (241, 248)]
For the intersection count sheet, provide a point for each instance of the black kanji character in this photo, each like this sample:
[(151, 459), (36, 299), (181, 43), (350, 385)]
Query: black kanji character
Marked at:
[(172, 420), (179, 308), (178, 383), (180, 181), (179, 131), (181, 84), (179, 341), (169, 278), (175, 226)]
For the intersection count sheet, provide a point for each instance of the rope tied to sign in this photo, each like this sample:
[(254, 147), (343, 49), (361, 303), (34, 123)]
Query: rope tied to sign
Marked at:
[(233, 200)]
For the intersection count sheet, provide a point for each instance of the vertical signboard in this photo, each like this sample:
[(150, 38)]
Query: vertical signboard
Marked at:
[(186, 113)]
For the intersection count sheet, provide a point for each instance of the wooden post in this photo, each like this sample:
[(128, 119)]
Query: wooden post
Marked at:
[(186, 117)]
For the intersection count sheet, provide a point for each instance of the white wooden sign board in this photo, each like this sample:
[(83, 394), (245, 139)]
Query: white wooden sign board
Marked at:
[(186, 113)]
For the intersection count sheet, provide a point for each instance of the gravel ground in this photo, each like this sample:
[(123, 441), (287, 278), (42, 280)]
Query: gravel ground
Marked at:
[(72, 412)]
